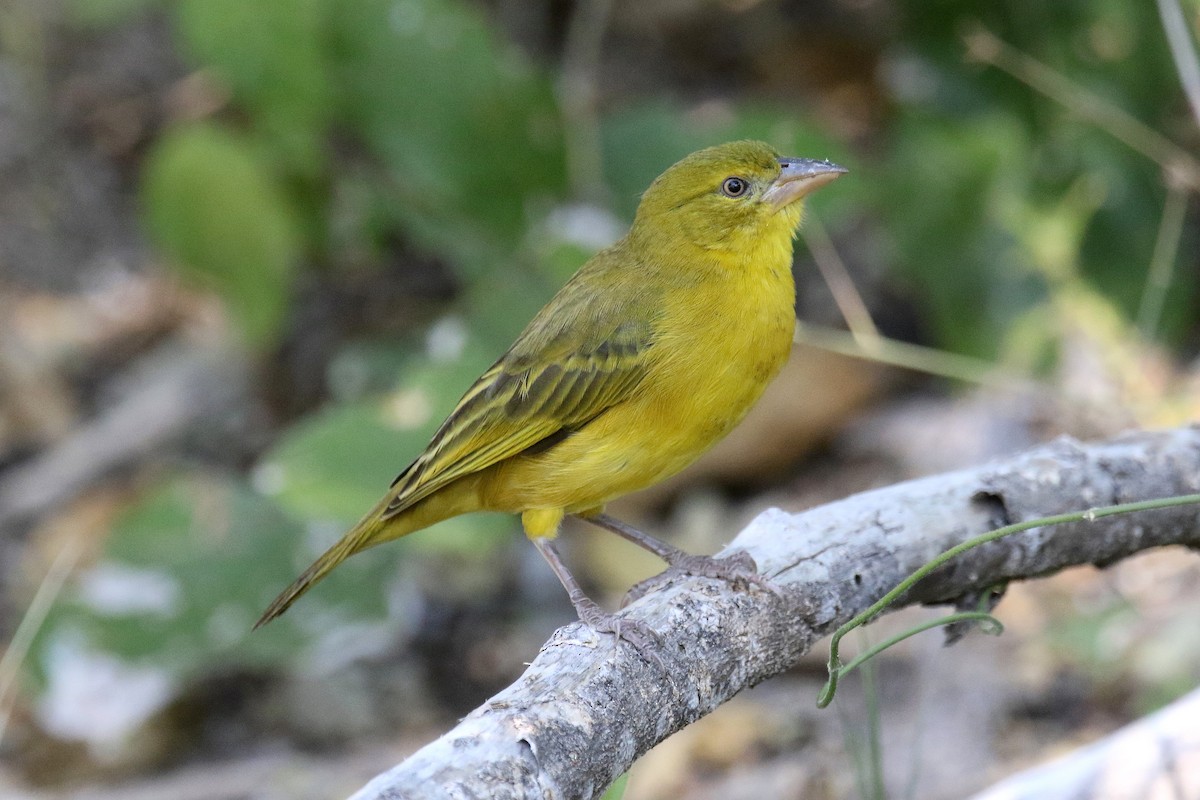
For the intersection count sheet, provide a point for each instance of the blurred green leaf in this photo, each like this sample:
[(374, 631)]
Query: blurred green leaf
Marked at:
[(335, 464), (217, 211), (272, 54), (191, 565), (1117, 246), (184, 574), (466, 132), (970, 279), (368, 367), (942, 197)]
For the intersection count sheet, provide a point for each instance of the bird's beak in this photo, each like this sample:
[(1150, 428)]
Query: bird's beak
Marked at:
[(798, 177)]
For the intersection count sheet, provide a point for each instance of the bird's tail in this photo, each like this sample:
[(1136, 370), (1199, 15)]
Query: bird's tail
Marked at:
[(360, 537), (379, 525)]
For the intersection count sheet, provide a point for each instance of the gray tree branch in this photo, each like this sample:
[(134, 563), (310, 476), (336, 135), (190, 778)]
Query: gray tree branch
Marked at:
[(587, 708)]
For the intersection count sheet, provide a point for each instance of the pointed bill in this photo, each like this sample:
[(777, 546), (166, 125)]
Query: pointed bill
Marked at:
[(799, 177)]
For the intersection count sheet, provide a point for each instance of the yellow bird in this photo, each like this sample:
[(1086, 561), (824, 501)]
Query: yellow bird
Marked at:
[(654, 350)]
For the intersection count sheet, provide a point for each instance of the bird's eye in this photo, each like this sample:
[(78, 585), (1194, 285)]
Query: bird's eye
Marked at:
[(735, 187)]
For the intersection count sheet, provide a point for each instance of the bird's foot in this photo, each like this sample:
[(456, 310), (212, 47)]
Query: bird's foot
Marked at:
[(634, 632), (738, 569)]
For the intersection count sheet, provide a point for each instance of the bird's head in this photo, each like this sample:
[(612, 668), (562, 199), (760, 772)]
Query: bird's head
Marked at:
[(731, 197)]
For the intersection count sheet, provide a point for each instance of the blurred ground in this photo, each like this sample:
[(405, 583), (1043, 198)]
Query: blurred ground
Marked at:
[(163, 472)]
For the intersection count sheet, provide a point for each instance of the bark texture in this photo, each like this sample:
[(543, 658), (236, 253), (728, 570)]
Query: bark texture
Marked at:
[(587, 708)]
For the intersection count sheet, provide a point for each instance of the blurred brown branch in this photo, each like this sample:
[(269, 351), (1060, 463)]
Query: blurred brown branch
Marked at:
[(578, 92), (1181, 167), (179, 391), (585, 709)]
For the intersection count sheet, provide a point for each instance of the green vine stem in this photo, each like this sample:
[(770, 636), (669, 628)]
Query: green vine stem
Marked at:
[(990, 623)]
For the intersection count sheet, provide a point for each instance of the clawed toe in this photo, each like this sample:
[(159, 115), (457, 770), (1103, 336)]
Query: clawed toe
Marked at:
[(635, 632), (643, 588), (738, 569)]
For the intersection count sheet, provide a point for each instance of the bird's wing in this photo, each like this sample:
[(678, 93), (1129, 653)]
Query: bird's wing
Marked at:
[(575, 360)]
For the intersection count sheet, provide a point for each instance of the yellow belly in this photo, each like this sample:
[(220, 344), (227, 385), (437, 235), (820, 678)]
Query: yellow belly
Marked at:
[(683, 407)]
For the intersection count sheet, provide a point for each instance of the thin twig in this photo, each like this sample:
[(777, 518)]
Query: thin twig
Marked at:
[(31, 623), (985, 47), (1162, 262), (841, 285), (911, 356), (1183, 49), (874, 736)]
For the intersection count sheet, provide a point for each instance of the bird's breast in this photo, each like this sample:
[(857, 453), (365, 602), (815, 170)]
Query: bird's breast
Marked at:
[(716, 347), (738, 338)]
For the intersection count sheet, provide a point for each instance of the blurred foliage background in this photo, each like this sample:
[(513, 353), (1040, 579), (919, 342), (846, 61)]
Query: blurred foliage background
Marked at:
[(251, 251)]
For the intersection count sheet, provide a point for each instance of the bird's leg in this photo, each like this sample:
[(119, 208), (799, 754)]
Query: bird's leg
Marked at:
[(637, 633), (737, 568)]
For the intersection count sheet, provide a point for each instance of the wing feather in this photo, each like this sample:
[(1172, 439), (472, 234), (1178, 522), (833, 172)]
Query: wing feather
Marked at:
[(549, 384)]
